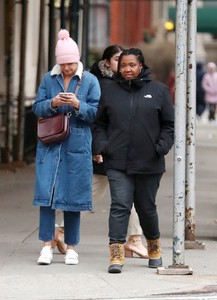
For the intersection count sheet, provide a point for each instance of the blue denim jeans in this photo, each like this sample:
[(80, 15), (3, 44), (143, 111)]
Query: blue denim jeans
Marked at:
[(71, 225), (125, 190)]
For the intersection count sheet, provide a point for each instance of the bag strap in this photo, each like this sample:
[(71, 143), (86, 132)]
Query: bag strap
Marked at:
[(78, 85), (76, 91)]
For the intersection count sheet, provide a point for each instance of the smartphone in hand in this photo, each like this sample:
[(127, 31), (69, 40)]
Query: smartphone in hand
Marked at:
[(64, 96)]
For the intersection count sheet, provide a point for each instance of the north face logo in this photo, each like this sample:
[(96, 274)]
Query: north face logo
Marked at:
[(147, 96)]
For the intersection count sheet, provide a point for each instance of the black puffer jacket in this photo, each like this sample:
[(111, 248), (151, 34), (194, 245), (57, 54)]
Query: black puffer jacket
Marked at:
[(134, 126)]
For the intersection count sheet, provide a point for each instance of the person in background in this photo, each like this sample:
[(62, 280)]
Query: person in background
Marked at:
[(63, 177), (104, 70), (133, 131), (200, 101), (58, 240), (209, 84)]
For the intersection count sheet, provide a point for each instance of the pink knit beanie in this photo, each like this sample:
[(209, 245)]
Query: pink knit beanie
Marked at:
[(66, 49)]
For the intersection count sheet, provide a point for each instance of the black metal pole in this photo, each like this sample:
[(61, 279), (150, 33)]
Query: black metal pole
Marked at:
[(62, 14), (21, 97), (40, 67), (73, 19), (85, 37), (51, 38), (7, 153)]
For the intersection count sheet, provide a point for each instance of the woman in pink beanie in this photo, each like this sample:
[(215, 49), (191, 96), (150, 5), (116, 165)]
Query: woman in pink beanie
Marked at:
[(209, 84), (64, 170), (66, 49)]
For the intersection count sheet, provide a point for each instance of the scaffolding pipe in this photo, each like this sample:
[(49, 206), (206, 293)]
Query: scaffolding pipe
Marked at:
[(180, 134), (190, 125)]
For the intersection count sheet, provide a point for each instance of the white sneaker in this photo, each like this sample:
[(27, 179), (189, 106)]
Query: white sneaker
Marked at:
[(46, 256), (71, 257)]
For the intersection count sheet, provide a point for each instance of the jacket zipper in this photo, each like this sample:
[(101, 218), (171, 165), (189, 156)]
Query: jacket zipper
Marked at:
[(130, 125)]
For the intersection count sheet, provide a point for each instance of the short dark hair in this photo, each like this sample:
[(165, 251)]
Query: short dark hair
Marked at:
[(111, 51)]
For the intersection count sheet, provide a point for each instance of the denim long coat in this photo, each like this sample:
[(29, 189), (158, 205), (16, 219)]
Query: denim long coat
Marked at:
[(64, 170)]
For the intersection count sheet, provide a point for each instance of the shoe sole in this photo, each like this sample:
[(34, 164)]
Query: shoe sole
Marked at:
[(155, 263), (69, 262), (115, 269), (44, 262), (154, 267)]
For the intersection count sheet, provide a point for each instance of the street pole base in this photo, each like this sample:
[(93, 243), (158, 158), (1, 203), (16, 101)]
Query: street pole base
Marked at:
[(194, 245), (175, 270)]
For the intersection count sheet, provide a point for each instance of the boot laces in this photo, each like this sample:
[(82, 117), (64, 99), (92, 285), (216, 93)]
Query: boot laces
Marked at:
[(116, 251), (153, 247)]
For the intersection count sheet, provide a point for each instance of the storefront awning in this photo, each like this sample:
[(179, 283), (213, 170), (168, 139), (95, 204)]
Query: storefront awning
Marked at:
[(206, 18)]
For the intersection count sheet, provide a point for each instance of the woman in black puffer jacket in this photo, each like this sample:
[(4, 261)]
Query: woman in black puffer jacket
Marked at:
[(133, 131), (104, 70)]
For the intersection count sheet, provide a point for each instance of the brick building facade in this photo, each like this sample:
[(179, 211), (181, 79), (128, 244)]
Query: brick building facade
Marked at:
[(128, 21)]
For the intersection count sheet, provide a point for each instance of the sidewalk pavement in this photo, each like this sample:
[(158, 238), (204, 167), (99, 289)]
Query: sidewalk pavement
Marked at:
[(21, 278)]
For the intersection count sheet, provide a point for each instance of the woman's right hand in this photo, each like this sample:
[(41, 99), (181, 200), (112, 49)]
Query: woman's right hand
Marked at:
[(59, 100), (98, 158)]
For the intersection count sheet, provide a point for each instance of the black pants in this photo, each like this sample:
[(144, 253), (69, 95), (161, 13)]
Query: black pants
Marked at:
[(212, 108), (128, 189)]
